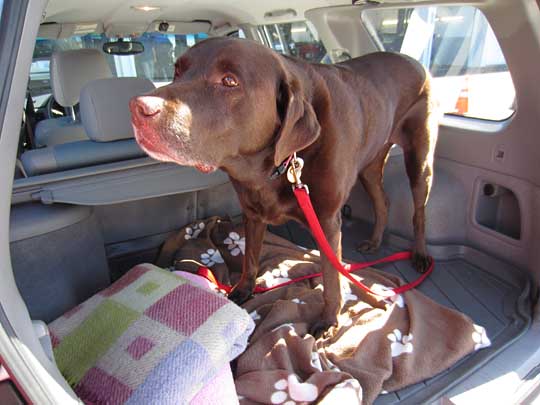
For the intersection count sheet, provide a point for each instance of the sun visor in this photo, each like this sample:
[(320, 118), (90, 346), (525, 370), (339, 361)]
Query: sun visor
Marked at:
[(126, 30), (66, 30), (181, 27)]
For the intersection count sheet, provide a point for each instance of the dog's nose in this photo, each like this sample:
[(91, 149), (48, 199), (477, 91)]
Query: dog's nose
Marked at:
[(146, 106)]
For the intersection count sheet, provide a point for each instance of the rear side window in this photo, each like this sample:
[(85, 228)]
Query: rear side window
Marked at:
[(237, 34), (460, 50), (298, 39)]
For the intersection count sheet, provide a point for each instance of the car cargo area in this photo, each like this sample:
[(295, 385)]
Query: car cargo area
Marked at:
[(493, 293), (93, 248), (141, 148)]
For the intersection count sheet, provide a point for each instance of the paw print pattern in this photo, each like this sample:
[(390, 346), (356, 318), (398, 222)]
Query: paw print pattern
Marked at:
[(396, 299), (348, 295), (291, 391), (281, 272), (480, 337), (255, 315), (316, 361), (235, 244), (348, 391), (192, 232), (391, 297), (400, 343), (332, 366), (276, 276), (211, 257), (383, 290)]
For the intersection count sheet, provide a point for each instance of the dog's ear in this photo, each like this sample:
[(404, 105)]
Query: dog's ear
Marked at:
[(299, 124)]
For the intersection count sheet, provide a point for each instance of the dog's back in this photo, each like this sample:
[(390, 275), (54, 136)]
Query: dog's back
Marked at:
[(384, 79)]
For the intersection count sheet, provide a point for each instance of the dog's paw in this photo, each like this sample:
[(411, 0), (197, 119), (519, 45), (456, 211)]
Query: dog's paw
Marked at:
[(420, 262), (321, 328), (368, 246), (240, 295)]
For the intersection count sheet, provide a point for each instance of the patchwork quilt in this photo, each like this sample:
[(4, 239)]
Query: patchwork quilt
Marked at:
[(152, 337), (382, 344)]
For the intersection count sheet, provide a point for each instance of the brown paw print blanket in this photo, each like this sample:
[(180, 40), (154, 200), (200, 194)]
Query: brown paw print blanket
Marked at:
[(381, 344)]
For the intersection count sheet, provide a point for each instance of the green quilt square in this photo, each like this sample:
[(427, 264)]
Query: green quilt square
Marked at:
[(147, 288), (81, 349)]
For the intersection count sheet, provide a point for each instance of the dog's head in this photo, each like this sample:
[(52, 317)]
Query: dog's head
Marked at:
[(229, 98)]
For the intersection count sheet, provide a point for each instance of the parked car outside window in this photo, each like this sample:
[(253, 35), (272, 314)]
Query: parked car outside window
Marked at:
[(458, 46)]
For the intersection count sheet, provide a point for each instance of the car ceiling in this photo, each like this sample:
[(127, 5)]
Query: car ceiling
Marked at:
[(114, 12)]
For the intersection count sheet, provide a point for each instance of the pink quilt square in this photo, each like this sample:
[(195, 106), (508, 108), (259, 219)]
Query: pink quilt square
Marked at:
[(139, 347), (98, 387), (124, 281), (185, 308)]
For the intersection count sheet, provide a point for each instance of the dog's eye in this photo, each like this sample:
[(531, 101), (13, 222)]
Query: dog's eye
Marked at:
[(229, 81)]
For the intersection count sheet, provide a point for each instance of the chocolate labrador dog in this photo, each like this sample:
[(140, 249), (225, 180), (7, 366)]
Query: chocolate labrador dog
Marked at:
[(239, 106)]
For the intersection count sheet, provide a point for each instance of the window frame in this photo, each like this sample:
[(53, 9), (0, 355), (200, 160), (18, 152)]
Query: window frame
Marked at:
[(448, 119), (10, 35), (265, 38)]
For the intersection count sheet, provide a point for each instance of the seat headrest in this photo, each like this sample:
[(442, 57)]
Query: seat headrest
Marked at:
[(104, 107), (71, 70)]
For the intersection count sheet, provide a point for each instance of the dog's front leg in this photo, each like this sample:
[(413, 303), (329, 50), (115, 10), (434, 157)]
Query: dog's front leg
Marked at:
[(331, 278), (255, 230)]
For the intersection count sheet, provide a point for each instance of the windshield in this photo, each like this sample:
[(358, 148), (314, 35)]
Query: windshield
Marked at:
[(155, 63)]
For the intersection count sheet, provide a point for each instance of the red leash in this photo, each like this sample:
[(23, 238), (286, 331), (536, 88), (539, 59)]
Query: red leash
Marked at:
[(301, 193), (302, 196), (304, 201), (207, 274)]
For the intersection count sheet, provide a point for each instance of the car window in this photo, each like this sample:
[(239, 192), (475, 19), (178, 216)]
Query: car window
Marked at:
[(460, 50), (160, 52), (238, 34), (155, 63), (298, 39)]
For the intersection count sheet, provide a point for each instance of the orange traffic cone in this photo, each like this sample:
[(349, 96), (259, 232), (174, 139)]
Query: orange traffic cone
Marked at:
[(462, 104)]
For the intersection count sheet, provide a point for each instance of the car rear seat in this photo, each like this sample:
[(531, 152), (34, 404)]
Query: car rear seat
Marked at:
[(106, 118), (58, 257), (70, 71)]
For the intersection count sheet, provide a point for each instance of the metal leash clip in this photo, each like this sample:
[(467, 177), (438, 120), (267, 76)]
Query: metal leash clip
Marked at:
[(294, 172)]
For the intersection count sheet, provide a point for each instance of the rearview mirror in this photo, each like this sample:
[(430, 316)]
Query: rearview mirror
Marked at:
[(122, 47)]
